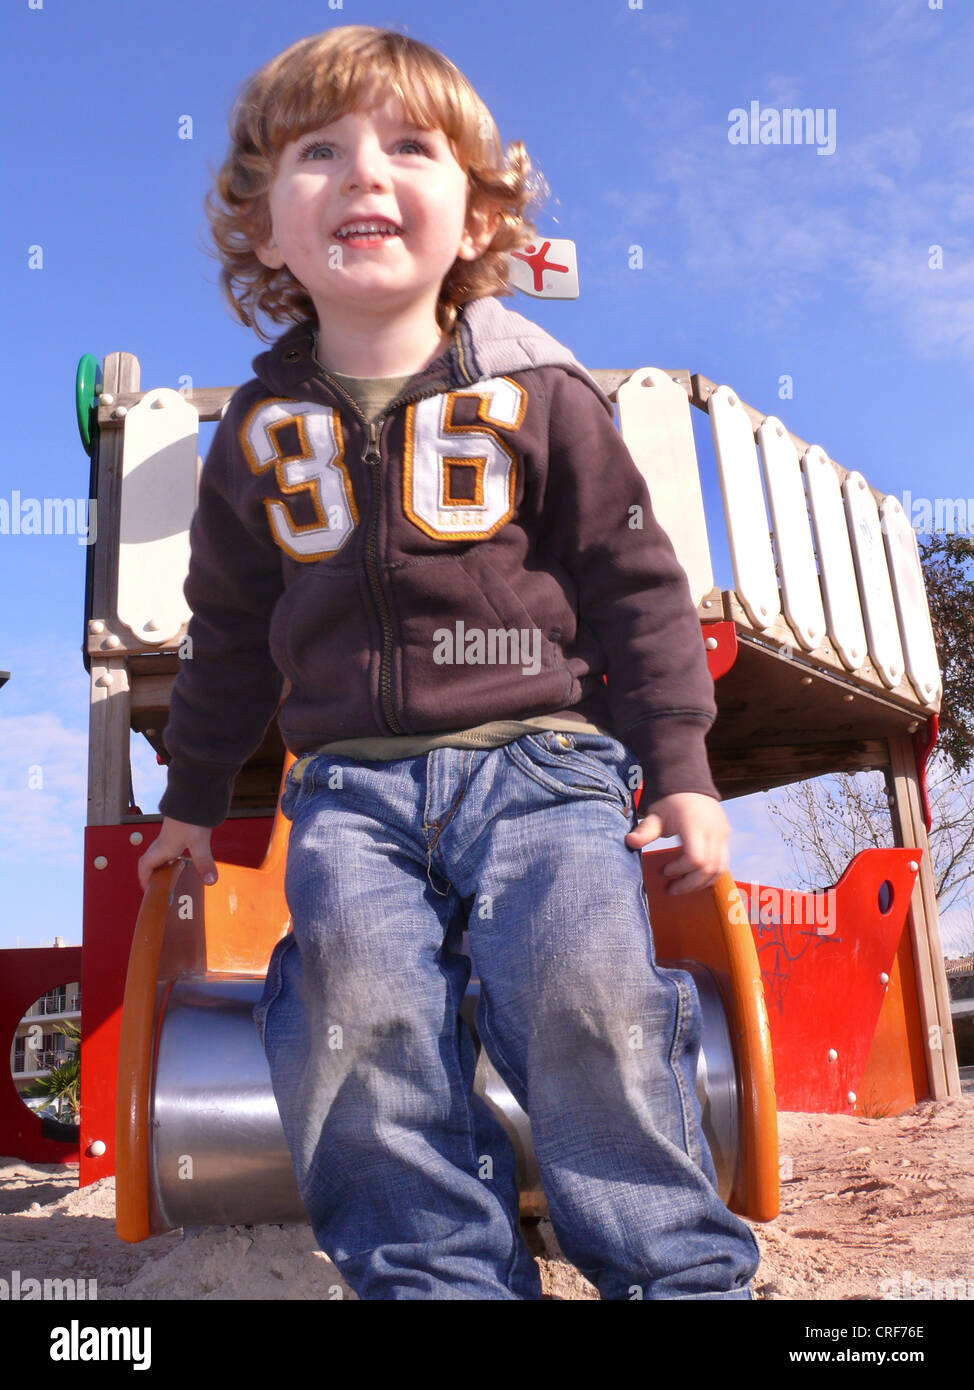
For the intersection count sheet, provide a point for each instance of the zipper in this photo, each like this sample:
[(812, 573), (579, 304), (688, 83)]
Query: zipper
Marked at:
[(372, 458)]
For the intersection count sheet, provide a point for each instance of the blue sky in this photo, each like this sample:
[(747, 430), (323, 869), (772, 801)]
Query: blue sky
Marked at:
[(758, 261)]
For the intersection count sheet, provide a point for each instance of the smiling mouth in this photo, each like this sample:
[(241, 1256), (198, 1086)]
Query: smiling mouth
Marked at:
[(367, 232)]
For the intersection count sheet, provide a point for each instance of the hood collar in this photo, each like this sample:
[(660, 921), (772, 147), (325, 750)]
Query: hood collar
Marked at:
[(488, 340)]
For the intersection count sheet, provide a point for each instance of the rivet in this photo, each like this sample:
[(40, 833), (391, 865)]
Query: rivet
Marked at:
[(112, 640), (105, 679), (710, 643), (851, 1097), (96, 1148), (779, 430), (100, 862), (848, 698), (913, 866), (732, 400), (120, 413), (707, 603), (806, 680), (912, 728), (106, 398), (833, 1055), (883, 978), (648, 381), (153, 625), (136, 837), (96, 625)]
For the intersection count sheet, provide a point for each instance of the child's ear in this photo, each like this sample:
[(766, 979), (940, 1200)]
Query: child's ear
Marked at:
[(268, 254), (482, 223)]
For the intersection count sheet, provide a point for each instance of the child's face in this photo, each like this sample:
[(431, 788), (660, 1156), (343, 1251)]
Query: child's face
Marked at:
[(372, 166)]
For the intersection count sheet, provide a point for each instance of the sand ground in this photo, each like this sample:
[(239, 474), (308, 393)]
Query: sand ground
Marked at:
[(870, 1209)]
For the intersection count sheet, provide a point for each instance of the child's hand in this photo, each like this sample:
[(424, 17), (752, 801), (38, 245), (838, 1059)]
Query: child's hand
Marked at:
[(703, 829), (173, 838)]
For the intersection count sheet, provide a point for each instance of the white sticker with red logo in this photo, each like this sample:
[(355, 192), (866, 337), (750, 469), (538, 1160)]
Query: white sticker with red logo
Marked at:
[(546, 268)]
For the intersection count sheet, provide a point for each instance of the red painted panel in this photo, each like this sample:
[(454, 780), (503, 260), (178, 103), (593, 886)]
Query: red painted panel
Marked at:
[(111, 906), (24, 976), (822, 957)]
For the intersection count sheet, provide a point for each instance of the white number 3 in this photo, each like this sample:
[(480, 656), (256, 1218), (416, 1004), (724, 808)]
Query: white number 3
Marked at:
[(316, 466)]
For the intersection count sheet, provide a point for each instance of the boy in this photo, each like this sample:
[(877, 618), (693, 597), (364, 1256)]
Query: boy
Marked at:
[(419, 522)]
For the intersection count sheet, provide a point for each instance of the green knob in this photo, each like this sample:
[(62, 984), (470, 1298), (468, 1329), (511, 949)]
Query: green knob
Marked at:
[(87, 387)]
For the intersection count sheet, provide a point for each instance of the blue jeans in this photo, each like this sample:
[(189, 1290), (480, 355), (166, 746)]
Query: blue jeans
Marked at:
[(407, 1177)]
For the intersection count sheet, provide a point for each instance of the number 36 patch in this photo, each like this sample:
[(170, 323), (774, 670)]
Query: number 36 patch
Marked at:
[(458, 481)]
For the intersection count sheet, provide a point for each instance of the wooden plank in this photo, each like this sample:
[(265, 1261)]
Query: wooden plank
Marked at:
[(109, 722), (158, 499), (108, 715), (910, 596), (654, 420), (780, 638), (924, 923), (746, 771), (837, 574), (748, 533), (801, 596), (209, 402), (875, 590)]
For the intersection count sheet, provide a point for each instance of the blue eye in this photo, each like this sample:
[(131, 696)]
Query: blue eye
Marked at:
[(314, 145)]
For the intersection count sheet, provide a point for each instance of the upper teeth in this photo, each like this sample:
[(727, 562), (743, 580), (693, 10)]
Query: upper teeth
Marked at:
[(354, 227)]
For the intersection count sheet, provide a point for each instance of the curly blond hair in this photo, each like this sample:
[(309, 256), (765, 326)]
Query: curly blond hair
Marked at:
[(318, 80)]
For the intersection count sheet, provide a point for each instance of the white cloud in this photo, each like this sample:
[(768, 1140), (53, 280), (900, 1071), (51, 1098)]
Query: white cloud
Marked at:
[(43, 788)]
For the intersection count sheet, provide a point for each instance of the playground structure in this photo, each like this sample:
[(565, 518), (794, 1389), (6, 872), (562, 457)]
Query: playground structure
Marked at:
[(823, 658)]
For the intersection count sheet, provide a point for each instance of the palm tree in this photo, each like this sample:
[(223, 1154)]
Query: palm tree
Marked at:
[(61, 1085)]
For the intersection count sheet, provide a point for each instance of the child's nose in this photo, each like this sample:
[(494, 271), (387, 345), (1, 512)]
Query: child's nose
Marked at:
[(367, 166)]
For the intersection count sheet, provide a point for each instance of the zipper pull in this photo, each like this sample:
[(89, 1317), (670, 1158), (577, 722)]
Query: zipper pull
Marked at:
[(371, 450)]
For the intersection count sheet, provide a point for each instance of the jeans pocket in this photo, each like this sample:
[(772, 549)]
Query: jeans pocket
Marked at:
[(587, 766), (297, 789), (272, 984)]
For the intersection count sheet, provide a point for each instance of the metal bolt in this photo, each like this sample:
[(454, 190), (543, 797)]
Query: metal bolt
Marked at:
[(96, 625), (112, 641), (833, 1055), (806, 680), (912, 728), (913, 866), (710, 643), (105, 679), (136, 837), (851, 1097), (106, 398), (848, 698), (883, 978), (153, 625), (100, 862), (120, 413), (96, 1148), (707, 603)]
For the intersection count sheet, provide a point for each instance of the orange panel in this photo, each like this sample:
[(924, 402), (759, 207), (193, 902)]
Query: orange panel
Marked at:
[(711, 927)]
